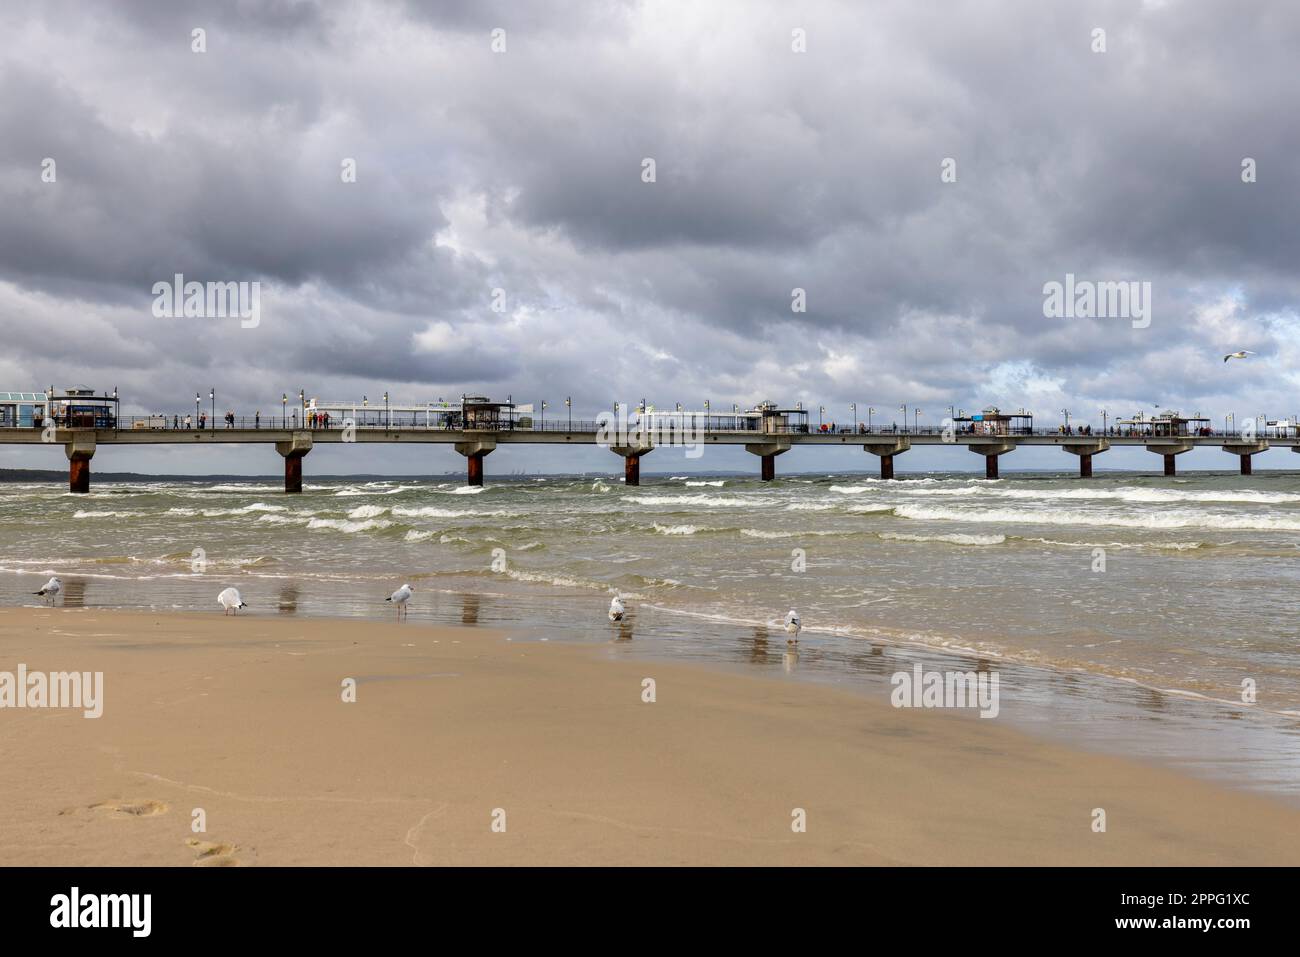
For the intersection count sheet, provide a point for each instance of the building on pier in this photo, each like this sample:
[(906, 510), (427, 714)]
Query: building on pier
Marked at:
[(80, 408), (22, 410), (1164, 425), (993, 421)]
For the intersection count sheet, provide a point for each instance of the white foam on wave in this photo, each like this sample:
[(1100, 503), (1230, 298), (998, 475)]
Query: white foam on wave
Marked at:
[(417, 535), (954, 539), (346, 526), (106, 514), (1154, 520), (696, 498), (715, 484), (432, 511), (676, 529), (1170, 546), (367, 511)]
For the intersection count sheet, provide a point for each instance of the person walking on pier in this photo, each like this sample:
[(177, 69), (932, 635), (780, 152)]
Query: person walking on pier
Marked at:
[(189, 422), (203, 421), (257, 419)]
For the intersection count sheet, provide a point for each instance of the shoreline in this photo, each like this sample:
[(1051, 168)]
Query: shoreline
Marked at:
[(450, 723)]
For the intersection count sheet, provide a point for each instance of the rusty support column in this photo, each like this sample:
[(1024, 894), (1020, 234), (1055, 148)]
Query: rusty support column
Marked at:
[(886, 466)]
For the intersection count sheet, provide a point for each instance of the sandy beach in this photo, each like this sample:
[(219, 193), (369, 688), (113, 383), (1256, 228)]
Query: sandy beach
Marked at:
[(245, 719)]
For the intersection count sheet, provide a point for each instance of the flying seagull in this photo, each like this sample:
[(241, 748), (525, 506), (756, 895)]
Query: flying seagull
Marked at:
[(616, 609), (51, 590), (792, 626), (230, 601), (1238, 355), (400, 598)]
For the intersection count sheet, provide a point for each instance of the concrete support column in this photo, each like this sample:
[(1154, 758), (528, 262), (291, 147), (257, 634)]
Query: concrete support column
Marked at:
[(80, 451), (1167, 450), (474, 452), (474, 470), (1085, 451), (293, 474), (887, 451), (293, 451), (991, 452), (632, 460), (1244, 451), (768, 451)]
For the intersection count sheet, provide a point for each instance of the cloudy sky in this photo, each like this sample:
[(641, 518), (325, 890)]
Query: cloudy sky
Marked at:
[(522, 170)]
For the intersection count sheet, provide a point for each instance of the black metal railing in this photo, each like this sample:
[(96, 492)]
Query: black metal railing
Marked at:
[(435, 422)]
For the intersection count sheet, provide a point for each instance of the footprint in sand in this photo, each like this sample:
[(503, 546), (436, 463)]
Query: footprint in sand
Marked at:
[(212, 854), (145, 808)]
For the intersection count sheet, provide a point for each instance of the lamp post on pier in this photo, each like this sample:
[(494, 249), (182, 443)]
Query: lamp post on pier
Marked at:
[(903, 408), (198, 400), (387, 419), (568, 404), (870, 413), (212, 394), (284, 410)]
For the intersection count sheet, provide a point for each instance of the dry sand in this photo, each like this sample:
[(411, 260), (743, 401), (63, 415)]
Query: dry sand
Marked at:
[(244, 718)]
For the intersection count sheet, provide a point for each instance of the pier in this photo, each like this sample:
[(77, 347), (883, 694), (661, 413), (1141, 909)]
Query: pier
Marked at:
[(294, 444)]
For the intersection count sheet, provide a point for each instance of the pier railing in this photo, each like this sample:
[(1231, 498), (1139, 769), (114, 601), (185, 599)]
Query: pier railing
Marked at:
[(719, 424)]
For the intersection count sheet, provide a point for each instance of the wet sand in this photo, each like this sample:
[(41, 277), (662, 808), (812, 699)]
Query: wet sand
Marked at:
[(244, 719)]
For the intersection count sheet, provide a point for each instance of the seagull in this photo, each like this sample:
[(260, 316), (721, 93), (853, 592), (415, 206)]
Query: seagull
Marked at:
[(792, 627), (52, 589), (1238, 355), (230, 601), (400, 598), (616, 609)]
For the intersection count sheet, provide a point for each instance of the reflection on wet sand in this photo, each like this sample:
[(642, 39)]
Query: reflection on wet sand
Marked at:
[(624, 630), (469, 608), (74, 592), (288, 603)]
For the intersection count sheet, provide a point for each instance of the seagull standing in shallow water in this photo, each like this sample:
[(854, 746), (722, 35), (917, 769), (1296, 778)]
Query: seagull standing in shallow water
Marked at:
[(793, 626), (400, 598), (1238, 355), (52, 590), (230, 601), (616, 609)]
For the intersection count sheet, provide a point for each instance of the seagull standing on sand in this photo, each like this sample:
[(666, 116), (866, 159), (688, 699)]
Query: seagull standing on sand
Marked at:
[(616, 609), (230, 601), (52, 589), (792, 627), (400, 598), (1238, 355)]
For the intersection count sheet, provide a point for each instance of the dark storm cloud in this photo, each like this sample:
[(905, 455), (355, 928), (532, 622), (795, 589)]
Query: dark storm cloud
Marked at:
[(521, 171)]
